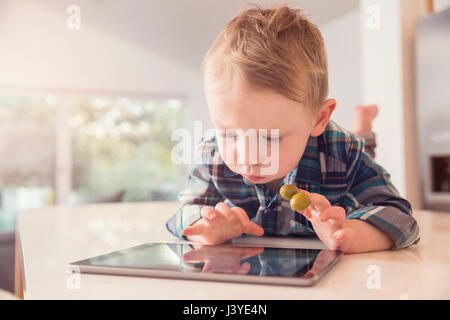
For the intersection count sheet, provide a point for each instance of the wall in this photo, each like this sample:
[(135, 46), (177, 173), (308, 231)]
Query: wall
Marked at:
[(342, 40), (370, 65), (381, 52), (440, 5)]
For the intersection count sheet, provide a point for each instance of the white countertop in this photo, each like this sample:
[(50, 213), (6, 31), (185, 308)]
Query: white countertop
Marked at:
[(55, 236)]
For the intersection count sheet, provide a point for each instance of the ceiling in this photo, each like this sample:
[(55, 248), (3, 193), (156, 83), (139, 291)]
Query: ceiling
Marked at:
[(181, 30)]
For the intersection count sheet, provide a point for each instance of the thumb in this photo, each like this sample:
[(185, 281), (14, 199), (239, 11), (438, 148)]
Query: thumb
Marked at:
[(345, 237), (253, 229), (193, 230)]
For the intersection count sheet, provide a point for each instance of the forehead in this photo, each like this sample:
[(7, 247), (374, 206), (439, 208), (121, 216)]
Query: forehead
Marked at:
[(243, 106)]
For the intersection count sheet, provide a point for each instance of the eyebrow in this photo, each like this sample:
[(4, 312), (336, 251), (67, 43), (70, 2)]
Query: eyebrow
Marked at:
[(268, 134), (280, 133)]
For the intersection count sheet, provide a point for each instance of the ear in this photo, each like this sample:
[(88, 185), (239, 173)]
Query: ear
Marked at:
[(322, 117)]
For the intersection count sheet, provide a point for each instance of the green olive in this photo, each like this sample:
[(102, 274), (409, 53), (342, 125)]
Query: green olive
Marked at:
[(288, 190), (300, 201)]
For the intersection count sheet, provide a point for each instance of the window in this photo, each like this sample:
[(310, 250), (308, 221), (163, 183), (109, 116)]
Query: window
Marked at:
[(118, 149), (124, 144), (27, 153)]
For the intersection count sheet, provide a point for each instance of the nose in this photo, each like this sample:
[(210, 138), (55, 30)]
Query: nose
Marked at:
[(251, 171), (247, 153)]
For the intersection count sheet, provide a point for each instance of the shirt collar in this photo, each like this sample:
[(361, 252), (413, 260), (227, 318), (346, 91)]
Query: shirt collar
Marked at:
[(309, 166), (227, 171)]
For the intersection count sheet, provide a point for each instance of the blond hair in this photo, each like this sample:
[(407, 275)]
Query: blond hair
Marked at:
[(274, 48)]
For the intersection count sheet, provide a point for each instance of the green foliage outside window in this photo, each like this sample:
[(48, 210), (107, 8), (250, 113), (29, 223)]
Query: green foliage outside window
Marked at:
[(125, 144)]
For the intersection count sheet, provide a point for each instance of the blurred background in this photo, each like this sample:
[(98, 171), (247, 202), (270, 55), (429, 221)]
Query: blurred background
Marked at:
[(91, 91)]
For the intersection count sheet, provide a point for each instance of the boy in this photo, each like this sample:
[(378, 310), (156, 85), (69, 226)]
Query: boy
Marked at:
[(267, 69)]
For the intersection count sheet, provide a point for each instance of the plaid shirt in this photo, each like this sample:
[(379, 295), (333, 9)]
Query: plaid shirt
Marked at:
[(333, 164)]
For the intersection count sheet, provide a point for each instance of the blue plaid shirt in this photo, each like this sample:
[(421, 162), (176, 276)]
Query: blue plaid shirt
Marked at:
[(333, 164)]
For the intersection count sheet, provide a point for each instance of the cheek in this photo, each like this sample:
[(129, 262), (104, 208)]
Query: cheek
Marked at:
[(291, 152), (282, 158), (288, 158), (226, 151)]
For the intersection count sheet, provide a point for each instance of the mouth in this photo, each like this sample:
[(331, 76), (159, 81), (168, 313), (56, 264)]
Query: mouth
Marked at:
[(253, 178)]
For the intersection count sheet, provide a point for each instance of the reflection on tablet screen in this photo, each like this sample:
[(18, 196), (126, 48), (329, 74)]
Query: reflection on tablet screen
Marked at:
[(258, 261)]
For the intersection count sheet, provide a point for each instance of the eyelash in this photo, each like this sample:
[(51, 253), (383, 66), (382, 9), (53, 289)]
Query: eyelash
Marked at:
[(271, 139)]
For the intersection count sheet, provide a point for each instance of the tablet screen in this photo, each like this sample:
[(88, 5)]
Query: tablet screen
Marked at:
[(262, 262)]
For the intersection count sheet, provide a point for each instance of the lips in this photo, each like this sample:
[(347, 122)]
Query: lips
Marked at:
[(253, 178)]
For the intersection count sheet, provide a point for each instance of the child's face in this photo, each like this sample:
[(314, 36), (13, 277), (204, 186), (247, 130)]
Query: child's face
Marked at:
[(244, 107)]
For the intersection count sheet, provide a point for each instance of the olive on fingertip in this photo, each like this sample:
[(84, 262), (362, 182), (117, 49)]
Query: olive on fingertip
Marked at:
[(300, 201), (288, 190)]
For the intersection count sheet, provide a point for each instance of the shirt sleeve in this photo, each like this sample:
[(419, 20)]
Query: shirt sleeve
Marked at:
[(374, 199), (200, 192), (370, 143)]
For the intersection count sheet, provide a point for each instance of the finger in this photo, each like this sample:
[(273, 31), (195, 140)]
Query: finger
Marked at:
[(234, 216), (251, 251), (242, 215), (208, 267), (318, 202), (253, 229), (208, 213), (193, 230), (345, 237), (193, 255), (335, 214), (243, 269), (344, 234), (222, 206), (308, 275), (306, 213)]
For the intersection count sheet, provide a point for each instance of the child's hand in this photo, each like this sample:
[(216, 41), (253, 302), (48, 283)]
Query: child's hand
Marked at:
[(222, 224), (329, 222)]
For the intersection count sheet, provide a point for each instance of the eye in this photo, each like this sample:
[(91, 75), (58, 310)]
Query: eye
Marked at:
[(272, 139), (275, 139), (227, 134)]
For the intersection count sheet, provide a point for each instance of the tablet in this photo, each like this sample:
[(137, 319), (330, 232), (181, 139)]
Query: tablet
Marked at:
[(230, 263)]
